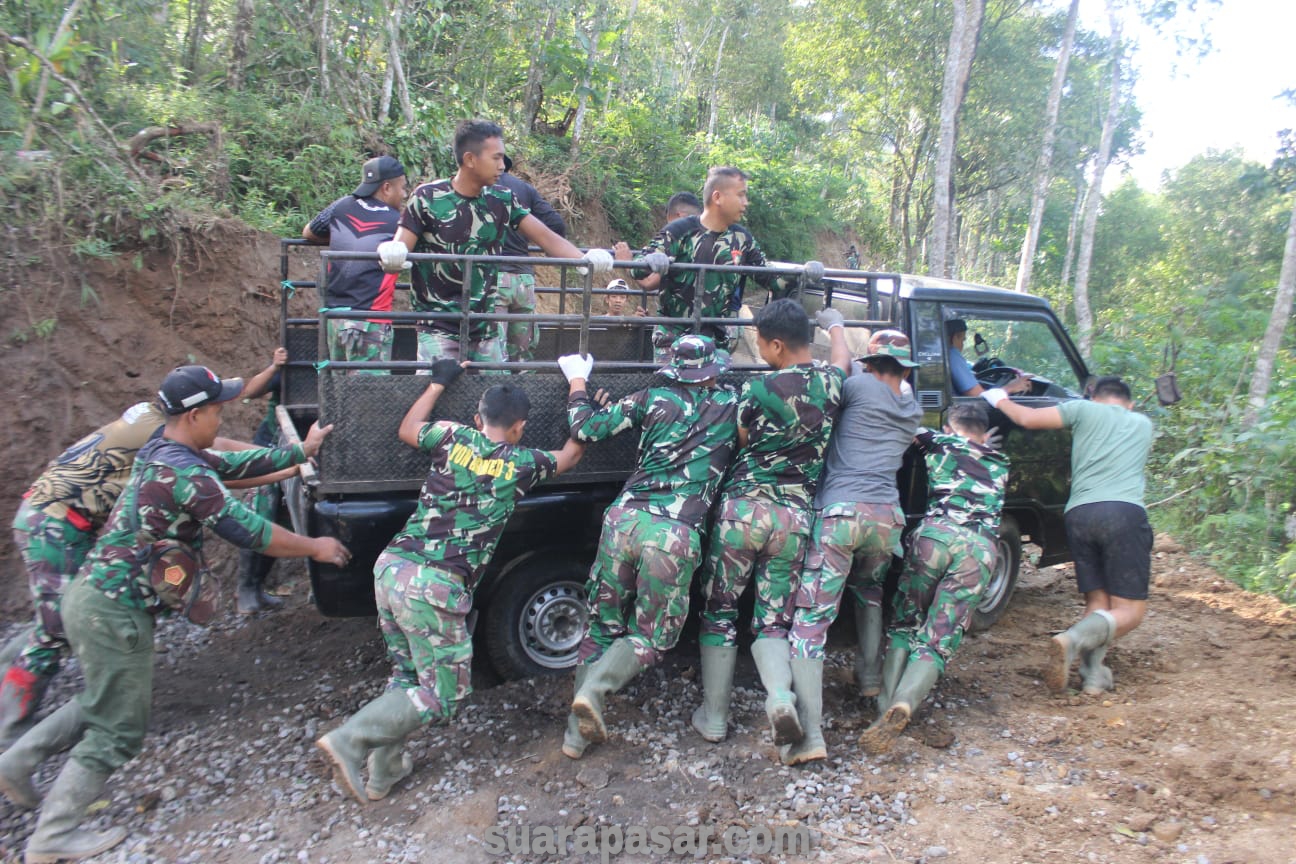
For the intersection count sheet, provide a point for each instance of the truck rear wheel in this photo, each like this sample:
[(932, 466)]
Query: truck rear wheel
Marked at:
[(535, 623), (1003, 578)]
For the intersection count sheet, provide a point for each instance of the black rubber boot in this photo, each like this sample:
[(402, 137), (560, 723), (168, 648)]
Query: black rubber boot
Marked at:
[(253, 570)]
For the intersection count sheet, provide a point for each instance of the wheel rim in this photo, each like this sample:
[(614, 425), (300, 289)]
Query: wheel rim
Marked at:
[(552, 624), (998, 586)]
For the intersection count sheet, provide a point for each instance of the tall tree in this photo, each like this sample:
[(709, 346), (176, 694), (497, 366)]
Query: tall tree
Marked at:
[(1043, 167), (239, 44), (1093, 199), (1262, 377), (966, 30)]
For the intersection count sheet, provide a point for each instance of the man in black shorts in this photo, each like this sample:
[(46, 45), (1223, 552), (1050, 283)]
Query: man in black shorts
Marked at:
[(1106, 523)]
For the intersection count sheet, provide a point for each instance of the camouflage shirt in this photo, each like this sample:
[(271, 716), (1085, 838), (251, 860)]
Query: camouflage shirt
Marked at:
[(173, 492), (446, 222), (965, 481), (89, 475), (788, 415), (687, 435), (722, 294), (470, 492)]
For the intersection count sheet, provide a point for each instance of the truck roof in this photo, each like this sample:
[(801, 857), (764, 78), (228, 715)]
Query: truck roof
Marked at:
[(932, 288)]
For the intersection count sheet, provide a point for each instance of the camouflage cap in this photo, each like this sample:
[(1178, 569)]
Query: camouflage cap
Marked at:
[(693, 358), (893, 344)]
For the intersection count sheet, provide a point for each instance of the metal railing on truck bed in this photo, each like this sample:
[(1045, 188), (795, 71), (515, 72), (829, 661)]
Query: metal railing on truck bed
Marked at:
[(364, 454)]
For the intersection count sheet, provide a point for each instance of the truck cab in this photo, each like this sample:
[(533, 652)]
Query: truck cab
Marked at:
[(531, 601)]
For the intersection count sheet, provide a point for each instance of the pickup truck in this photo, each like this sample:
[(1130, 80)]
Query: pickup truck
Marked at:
[(531, 602)]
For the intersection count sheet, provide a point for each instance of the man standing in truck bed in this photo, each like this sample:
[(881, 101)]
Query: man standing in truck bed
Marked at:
[(652, 533), (358, 223), (715, 237), (517, 281), (762, 527), (467, 215)]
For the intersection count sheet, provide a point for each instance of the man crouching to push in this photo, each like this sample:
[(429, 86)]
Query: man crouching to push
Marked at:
[(652, 533), (946, 568), (424, 579), (147, 562)]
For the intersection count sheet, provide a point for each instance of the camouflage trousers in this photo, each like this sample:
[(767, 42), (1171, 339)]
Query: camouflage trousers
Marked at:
[(753, 538), (423, 615), (360, 341), (517, 295), (639, 584), (52, 549), (263, 501), (851, 548), (435, 344), (664, 336), (946, 569)]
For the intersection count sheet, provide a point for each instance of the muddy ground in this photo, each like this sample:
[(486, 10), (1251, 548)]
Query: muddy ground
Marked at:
[(1190, 759)]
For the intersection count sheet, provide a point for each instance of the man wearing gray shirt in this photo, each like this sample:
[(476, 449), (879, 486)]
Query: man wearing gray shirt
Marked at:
[(859, 519)]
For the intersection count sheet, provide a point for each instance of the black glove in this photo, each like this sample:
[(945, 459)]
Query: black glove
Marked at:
[(445, 371)]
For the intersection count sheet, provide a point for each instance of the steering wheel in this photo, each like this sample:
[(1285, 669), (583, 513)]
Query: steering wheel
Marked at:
[(991, 372)]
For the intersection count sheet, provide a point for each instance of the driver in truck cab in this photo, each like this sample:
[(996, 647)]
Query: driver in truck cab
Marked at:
[(962, 377)]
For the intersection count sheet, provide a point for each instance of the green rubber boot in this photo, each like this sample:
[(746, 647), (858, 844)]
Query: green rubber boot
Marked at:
[(382, 723), (54, 734), (868, 653), (610, 673), (893, 667), (387, 766), (9, 653), (807, 682), (919, 677), (711, 718), (773, 662), (574, 744), (1095, 675), (57, 837), (1090, 632)]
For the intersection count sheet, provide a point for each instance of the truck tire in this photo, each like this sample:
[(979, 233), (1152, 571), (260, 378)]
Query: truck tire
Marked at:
[(535, 622), (1003, 579)]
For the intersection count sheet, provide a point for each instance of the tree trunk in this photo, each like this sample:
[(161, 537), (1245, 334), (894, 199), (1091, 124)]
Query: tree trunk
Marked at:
[(1073, 228), (622, 44), (1272, 341), (239, 43), (535, 71), (968, 15), (587, 80), (1043, 167), (324, 48), (194, 37), (1084, 313), (42, 88), (715, 84), (395, 66)]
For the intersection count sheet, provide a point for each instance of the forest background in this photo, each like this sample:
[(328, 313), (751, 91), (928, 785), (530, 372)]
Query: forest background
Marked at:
[(981, 139)]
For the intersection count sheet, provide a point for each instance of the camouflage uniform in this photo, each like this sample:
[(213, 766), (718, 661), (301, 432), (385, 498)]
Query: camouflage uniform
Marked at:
[(517, 295), (424, 580), (55, 527), (446, 222), (722, 292), (651, 535), (952, 551), (354, 341), (763, 525), (109, 610)]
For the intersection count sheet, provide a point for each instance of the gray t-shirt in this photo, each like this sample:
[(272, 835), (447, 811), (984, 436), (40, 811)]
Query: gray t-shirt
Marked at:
[(868, 442), (1109, 447)]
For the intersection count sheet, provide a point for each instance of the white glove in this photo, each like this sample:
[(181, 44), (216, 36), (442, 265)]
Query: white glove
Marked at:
[(828, 319), (658, 262), (600, 261), (994, 396), (391, 255), (576, 366), (813, 271)]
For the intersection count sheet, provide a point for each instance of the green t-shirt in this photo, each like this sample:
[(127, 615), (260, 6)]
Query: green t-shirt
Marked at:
[(1109, 447)]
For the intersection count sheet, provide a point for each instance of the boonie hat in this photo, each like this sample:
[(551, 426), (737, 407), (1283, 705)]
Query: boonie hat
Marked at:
[(375, 171), (188, 387), (693, 358), (893, 344)]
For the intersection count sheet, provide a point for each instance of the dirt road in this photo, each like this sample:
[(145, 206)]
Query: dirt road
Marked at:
[(1191, 759)]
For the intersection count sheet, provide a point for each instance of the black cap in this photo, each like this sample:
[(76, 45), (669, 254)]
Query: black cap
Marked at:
[(955, 325), (189, 387), (375, 171)]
